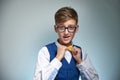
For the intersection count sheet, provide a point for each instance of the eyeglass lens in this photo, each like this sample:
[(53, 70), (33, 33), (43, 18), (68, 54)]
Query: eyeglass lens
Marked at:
[(70, 28)]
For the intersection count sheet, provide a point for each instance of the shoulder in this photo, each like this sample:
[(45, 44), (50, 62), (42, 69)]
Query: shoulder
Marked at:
[(50, 44), (43, 51), (51, 47), (45, 47)]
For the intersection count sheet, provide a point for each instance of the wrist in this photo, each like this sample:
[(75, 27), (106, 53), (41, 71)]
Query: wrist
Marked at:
[(79, 61), (58, 58)]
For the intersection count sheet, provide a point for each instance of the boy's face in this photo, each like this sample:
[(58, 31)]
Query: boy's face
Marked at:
[(66, 31)]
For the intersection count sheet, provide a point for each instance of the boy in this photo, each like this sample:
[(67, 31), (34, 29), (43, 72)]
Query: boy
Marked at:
[(62, 60)]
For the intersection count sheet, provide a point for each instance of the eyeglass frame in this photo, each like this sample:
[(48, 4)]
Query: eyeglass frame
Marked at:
[(75, 26)]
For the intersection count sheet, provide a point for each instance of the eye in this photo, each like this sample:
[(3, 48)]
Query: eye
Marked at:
[(60, 27), (72, 27)]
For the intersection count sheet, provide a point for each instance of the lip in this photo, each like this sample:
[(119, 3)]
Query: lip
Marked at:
[(66, 38)]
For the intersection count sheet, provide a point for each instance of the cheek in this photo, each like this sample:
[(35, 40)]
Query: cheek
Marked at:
[(72, 35), (60, 35)]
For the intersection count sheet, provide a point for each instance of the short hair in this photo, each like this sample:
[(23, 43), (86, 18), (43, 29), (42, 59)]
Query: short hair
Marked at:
[(64, 14)]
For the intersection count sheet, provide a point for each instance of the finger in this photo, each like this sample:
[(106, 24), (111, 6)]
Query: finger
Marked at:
[(74, 51)]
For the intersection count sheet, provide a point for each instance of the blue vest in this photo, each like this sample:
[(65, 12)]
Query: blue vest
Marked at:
[(68, 71)]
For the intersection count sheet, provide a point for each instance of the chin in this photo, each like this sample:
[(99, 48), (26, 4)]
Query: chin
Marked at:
[(65, 42)]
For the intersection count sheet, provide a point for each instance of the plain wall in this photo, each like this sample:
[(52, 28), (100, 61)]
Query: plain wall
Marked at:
[(27, 25)]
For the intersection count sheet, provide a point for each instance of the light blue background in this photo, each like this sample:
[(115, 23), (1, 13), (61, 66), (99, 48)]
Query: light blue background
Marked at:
[(27, 25)]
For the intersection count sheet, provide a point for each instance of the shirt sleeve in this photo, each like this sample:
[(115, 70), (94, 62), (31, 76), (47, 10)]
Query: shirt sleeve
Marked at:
[(46, 70), (87, 70)]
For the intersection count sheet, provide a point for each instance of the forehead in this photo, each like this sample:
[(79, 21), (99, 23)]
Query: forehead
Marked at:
[(68, 22)]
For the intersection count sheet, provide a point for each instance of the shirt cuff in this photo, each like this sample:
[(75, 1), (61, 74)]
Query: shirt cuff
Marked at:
[(56, 63)]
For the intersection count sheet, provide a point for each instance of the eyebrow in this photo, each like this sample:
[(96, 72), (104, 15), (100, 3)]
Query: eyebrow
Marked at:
[(67, 26)]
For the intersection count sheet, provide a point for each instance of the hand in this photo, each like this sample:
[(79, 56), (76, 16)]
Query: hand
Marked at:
[(60, 52), (76, 52)]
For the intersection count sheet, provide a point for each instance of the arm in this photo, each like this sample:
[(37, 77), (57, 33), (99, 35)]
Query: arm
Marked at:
[(86, 68), (46, 70)]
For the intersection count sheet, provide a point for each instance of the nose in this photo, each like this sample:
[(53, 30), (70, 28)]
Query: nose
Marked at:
[(66, 31)]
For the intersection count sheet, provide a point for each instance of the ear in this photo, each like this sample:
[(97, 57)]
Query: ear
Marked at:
[(55, 28), (77, 29)]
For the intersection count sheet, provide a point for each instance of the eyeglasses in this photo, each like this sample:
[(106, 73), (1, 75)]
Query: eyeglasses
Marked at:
[(70, 28)]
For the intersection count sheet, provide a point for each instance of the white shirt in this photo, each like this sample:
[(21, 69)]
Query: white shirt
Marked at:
[(46, 70)]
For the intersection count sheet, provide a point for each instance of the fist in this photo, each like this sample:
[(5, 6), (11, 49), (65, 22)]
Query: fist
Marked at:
[(60, 52), (76, 52)]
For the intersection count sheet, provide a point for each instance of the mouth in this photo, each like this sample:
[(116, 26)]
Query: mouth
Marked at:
[(66, 37), (65, 40)]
